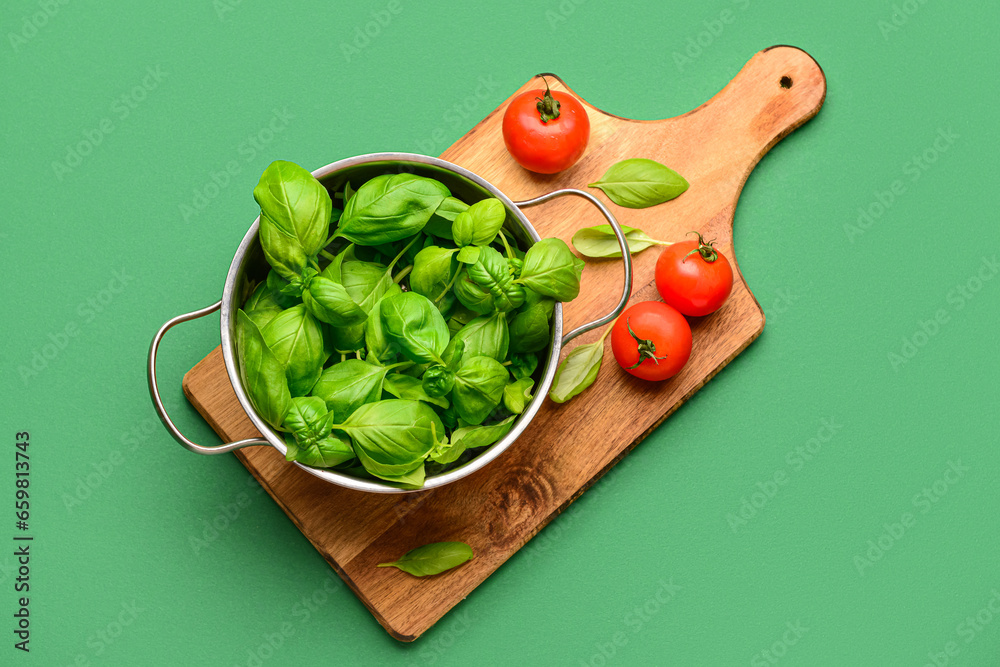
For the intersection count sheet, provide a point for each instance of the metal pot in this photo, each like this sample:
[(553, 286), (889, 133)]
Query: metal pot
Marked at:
[(249, 265)]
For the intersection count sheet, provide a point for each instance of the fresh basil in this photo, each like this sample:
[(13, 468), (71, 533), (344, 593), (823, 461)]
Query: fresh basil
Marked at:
[(296, 339), (471, 295), (517, 394), (531, 329), (392, 437), (312, 443), (486, 335), (261, 307), (438, 381), (473, 437), (640, 182), (412, 322), (479, 224), (478, 390), (433, 269), (390, 208), (411, 388), (523, 365), (551, 269), (600, 241), (492, 274), (578, 370), (433, 558), (330, 302), (263, 375), (346, 386)]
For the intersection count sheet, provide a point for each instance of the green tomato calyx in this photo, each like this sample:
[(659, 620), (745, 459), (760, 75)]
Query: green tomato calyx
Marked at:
[(548, 106), (705, 249), (647, 349)]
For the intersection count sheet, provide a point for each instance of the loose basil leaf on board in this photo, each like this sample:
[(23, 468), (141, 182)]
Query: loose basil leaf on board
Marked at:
[(600, 241), (486, 336), (411, 388), (469, 254), (295, 212), (577, 371), (472, 437), (640, 182), (491, 273), (479, 224), (438, 381), (346, 386), (523, 365), (478, 390), (392, 437), (296, 339), (433, 269), (517, 394), (389, 208), (375, 338), (551, 269), (433, 558), (329, 302), (471, 295), (530, 329), (312, 443), (261, 307), (263, 375), (416, 326)]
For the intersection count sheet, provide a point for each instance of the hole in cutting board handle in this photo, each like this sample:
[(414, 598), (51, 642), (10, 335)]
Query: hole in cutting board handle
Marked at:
[(785, 82)]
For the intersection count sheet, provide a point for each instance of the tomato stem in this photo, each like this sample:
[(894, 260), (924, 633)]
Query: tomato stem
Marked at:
[(705, 249), (647, 348), (548, 106)]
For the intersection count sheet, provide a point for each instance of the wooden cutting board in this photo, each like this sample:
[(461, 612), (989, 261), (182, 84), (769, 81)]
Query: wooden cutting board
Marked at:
[(569, 447)]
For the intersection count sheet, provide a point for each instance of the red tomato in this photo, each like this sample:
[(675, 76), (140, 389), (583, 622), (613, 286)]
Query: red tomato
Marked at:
[(694, 277), (659, 343), (551, 145)]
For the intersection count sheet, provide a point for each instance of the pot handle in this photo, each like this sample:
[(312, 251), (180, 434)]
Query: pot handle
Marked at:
[(626, 256), (154, 391)]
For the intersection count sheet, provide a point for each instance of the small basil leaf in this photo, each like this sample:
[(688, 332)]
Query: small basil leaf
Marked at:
[(312, 443), (296, 339), (640, 182), (276, 284), (346, 386), (438, 381), (479, 224), (479, 384), (433, 268), (486, 335), (530, 329), (412, 322), (411, 388), (389, 208), (600, 241), (523, 365), (411, 480), (492, 273), (469, 254), (440, 223), (261, 307), (375, 338), (551, 269), (577, 371), (263, 375), (433, 558), (517, 394), (333, 269), (472, 437), (329, 302), (471, 295)]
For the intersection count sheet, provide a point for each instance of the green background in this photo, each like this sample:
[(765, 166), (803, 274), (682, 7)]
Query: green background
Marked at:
[(117, 504)]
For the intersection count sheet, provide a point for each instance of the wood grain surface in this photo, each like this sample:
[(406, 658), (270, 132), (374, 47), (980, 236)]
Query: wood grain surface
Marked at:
[(568, 447)]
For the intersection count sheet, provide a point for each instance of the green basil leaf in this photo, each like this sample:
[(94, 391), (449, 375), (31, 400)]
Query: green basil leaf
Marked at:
[(600, 241), (531, 329), (389, 208), (472, 437), (346, 386), (263, 375), (277, 285), (312, 443), (640, 182), (551, 269), (517, 394), (295, 212), (415, 325), (375, 338), (333, 269), (433, 268), (479, 224), (433, 558), (492, 273), (346, 340), (392, 437), (438, 381), (577, 371), (469, 254), (366, 282), (471, 295), (485, 336), (440, 223), (329, 302), (479, 384), (261, 307), (523, 365), (411, 480), (296, 339), (411, 388)]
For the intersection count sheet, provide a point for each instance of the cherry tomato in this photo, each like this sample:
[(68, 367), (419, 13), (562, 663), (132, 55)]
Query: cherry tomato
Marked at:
[(694, 277), (546, 131), (651, 340)]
